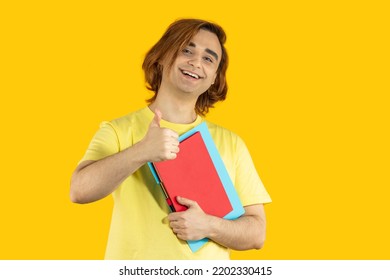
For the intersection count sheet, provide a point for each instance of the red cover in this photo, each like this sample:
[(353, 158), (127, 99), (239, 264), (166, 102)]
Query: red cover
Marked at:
[(192, 175)]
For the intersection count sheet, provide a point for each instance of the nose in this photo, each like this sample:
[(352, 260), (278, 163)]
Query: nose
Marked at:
[(195, 61)]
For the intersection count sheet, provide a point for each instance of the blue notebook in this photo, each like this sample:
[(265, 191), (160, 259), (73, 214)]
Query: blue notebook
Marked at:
[(236, 206)]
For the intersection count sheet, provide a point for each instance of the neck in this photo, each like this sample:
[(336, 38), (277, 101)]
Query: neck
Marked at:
[(175, 110)]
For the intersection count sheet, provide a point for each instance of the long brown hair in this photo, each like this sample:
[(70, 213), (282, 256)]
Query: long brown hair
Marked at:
[(176, 37)]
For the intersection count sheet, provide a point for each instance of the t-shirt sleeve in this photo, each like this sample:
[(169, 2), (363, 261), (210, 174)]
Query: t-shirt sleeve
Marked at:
[(104, 143), (247, 181)]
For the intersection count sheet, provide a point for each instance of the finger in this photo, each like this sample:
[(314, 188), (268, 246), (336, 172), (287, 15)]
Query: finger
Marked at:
[(171, 133), (157, 118), (168, 153), (173, 216), (175, 149), (181, 236), (186, 202), (175, 230), (174, 225), (172, 156)]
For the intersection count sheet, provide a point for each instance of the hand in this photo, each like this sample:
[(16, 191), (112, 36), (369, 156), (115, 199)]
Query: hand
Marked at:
[(192, 224), (160, 143)]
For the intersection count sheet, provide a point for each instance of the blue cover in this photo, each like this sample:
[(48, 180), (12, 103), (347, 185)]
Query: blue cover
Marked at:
[(238, 209)]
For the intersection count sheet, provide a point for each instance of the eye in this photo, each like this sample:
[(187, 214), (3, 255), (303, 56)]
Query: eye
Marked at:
[(186, 51), (208, 59)]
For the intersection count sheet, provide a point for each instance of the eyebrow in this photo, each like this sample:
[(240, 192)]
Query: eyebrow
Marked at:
[(211, 52)]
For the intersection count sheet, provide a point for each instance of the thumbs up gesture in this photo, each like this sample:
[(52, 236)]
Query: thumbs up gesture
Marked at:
[(160, 143)]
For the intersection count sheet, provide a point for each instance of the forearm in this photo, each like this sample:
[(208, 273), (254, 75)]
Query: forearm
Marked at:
[(94, 180), (98, 179), (247, 232)]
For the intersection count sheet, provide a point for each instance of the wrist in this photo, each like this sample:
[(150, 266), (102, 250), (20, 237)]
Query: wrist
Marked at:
[(138, 153), (213, 223)]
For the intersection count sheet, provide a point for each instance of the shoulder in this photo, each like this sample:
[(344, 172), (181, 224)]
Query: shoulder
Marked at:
[(226, 140), (126, 122), (129, 128), (218, 131)]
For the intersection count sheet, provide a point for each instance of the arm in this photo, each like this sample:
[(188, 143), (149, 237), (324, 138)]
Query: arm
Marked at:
[(93, 180), (247, 232)]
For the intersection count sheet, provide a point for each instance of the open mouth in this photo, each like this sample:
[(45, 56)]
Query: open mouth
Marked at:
[(190, 74)]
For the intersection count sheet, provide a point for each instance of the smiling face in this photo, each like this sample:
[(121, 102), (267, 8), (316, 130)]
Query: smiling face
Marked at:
[(195, 67)]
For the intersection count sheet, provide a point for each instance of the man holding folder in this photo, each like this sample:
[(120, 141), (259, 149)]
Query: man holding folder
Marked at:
[(186, 71)]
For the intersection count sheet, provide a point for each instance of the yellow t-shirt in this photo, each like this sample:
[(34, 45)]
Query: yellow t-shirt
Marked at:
[(139, 227)]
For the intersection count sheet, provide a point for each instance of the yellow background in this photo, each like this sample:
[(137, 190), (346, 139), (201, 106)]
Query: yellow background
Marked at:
[(309, 94)]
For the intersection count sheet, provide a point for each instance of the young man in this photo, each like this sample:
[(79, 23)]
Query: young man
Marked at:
[(186, 71)]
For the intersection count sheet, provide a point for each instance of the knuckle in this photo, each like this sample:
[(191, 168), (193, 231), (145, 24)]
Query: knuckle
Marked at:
[(166, 131)]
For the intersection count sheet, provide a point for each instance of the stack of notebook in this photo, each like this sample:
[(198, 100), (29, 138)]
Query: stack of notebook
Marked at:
[(198, 173)]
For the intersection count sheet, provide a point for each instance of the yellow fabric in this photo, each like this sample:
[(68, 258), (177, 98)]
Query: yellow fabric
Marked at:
[(139, 228)]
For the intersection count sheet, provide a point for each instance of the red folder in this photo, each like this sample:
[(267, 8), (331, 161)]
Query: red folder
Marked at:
[(193, 175)]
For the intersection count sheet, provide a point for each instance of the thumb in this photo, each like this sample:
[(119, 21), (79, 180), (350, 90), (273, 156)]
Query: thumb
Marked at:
[(186, 202), (157, 118)]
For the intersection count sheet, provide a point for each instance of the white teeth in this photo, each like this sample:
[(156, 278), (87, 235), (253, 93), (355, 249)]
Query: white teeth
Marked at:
[(191, 74)]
